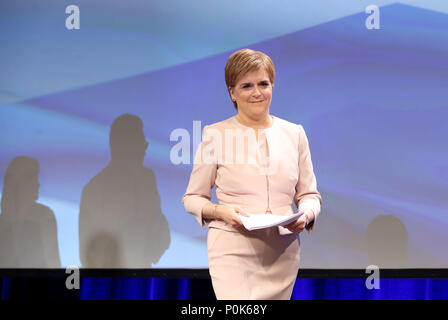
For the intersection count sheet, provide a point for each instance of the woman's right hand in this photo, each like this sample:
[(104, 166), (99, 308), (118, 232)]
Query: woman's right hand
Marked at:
[(230, 215)]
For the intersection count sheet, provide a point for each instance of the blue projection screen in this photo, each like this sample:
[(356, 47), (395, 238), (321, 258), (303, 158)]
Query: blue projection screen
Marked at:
[(80, 79)]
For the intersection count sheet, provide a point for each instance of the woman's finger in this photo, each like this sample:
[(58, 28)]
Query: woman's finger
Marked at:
[(241, 211), (293, 224), (295, 227), (238, 224)]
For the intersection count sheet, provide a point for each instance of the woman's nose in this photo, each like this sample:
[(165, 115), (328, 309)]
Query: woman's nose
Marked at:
[(256, 92)]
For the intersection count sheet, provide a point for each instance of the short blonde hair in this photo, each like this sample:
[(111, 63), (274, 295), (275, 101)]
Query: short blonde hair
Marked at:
[(244, 61)]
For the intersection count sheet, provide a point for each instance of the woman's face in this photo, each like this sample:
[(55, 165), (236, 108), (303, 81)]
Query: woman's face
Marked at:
[(253, 94)]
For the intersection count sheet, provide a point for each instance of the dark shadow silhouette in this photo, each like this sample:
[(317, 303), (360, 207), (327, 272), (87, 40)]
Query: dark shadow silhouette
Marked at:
[(103, 251), (121, 224), (28, 230), (386, 242)]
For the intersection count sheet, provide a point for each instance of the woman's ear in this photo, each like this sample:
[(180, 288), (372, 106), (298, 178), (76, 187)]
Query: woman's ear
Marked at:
[(231, 93)]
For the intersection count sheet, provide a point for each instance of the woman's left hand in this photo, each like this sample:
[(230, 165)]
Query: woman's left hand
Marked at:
[(298, 225)]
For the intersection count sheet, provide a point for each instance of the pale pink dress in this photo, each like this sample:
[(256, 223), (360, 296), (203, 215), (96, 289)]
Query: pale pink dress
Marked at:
[(263, 176)]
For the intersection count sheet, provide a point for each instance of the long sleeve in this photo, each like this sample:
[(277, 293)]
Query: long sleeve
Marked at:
[(202, 180), (307, 196)]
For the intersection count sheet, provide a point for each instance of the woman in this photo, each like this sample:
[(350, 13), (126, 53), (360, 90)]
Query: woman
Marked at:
[(263, 172)]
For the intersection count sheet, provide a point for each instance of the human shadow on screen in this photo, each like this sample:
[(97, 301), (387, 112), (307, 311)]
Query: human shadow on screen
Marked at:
[(386, 242), (121, 224), (102, 251), (28, 229)]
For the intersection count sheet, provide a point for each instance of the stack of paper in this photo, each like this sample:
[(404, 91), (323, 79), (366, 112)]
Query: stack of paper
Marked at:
[(260, 221)]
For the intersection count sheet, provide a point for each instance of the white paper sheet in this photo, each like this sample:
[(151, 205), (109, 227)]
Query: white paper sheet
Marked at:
[(260, 221)]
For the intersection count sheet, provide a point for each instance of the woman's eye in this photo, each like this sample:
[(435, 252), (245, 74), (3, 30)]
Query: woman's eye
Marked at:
[(263, 84)]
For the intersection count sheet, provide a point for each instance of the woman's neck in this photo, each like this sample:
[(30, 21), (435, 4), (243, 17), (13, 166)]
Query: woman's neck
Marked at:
[(262, 123)]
